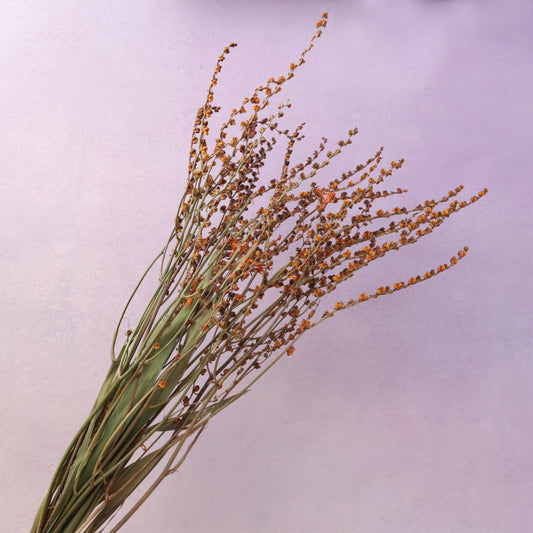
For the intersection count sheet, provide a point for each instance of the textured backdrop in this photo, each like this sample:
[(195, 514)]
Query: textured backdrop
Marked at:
[(412, 413)]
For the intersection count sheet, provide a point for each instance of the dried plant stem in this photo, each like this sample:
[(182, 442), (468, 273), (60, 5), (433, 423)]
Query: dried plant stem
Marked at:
[(167, 470)]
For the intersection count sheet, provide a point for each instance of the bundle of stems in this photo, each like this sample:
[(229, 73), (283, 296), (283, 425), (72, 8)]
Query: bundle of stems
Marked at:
[(240, 280)]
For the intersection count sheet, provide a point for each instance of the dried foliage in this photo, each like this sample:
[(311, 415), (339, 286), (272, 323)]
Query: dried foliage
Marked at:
[(241, 277)]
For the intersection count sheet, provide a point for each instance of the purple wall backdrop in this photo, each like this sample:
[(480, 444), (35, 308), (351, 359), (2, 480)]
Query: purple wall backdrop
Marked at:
[(410, 413)]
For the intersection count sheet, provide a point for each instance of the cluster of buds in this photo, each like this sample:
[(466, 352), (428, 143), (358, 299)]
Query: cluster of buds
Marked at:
[(259, 257), (248, 262)]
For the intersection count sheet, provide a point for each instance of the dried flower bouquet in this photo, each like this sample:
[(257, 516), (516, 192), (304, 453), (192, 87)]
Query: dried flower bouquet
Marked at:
[(240, 280)]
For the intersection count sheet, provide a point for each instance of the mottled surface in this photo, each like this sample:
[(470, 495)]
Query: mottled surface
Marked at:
[(411, 413)]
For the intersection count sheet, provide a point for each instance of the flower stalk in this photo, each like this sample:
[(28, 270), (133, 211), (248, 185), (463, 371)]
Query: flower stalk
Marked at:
[(240, 281)]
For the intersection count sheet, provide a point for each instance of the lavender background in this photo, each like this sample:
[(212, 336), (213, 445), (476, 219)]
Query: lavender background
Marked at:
[(410, 413)]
